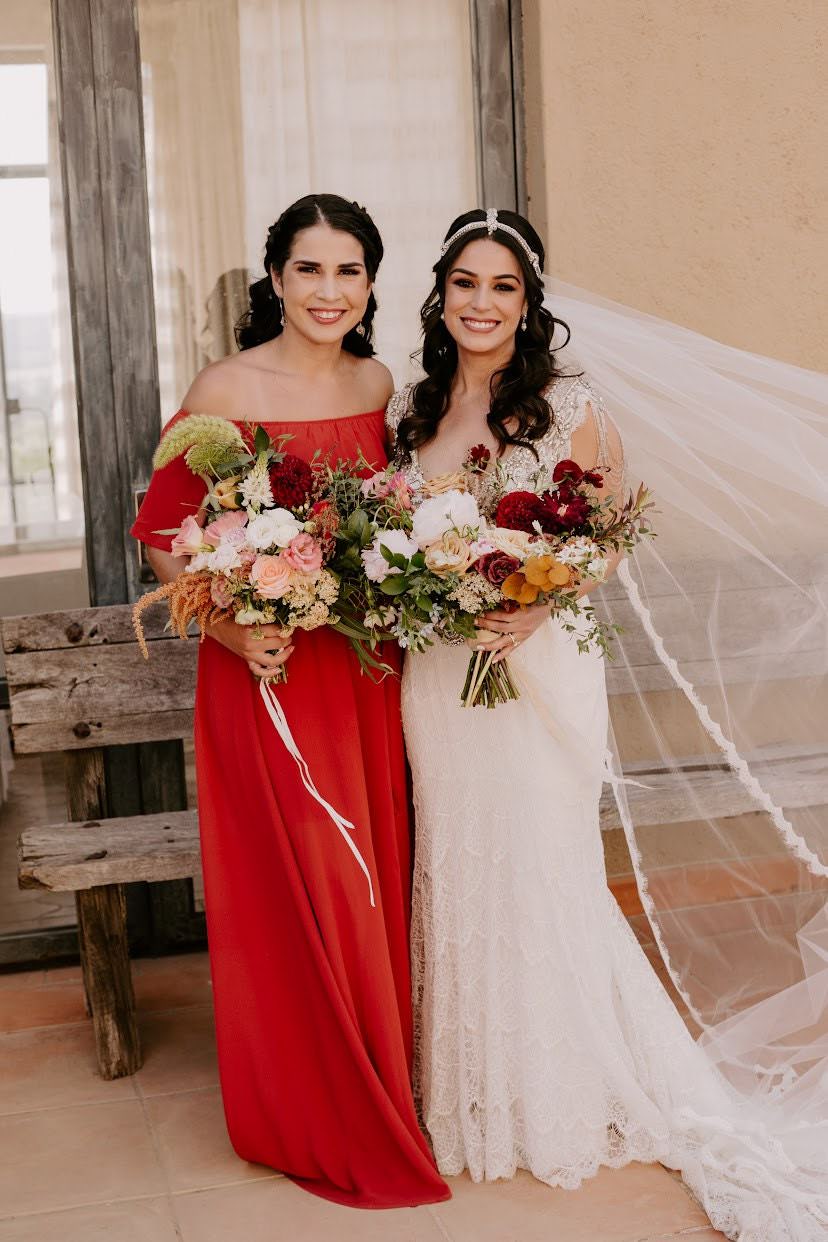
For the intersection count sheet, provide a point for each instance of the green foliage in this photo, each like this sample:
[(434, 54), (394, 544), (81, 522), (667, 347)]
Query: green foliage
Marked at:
[(215, 439)]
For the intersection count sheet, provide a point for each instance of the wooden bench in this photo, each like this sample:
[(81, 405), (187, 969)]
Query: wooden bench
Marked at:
[(78, 682)]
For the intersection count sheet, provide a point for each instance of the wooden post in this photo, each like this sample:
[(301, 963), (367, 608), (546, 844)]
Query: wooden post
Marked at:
[(497, 80), (102, 934)]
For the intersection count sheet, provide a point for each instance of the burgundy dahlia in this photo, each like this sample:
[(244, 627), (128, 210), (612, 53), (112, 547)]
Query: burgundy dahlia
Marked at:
[(519, 510), (479, 456), (291, 480)]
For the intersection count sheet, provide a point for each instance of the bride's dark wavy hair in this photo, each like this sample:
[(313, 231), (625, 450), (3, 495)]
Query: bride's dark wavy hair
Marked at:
[(517, 389), (263, 321)]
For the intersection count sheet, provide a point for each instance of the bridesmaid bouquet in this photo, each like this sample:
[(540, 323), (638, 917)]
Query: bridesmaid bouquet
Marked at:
[(420, 566), (261, 554)]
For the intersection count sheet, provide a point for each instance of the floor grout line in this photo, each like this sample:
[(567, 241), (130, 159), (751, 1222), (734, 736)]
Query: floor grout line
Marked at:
[(87, 1203), (142, 1014)]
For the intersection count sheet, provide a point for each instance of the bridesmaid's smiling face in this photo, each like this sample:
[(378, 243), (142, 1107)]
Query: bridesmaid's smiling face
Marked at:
[(485, 297), (324, 284)]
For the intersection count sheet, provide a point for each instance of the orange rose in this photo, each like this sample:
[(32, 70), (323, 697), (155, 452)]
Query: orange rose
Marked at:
[(546, 573), (517, 588)]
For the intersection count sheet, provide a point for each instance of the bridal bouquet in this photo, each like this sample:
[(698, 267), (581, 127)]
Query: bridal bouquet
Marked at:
[(431, 562), (261, 555)]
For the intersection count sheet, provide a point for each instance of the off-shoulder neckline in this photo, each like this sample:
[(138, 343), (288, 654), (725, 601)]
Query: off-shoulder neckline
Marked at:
[(293, 422)]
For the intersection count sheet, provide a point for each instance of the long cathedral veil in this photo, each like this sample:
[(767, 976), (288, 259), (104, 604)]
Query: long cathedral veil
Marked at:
[(719, 762)]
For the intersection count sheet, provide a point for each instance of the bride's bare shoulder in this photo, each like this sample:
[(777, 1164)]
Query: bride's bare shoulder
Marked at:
[(216, 390)]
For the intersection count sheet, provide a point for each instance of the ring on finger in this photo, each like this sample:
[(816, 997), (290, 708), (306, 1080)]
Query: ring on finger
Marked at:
[(513, 640)]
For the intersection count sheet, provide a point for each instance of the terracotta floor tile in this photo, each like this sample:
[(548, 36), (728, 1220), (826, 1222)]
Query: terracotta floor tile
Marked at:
[(170, 982), (619, 1205), (54, 1068), (690, 1235), (26, 1006), (193, 1142), (278, 1211), (142, 1220), (66, 1157), (179, 1050), (21, 979)]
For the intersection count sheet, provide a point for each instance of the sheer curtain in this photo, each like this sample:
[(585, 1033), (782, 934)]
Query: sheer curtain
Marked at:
[(249, 105)]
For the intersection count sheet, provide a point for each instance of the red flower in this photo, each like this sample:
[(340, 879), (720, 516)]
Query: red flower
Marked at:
[(496, 567), (592, 477), (518, 511), (291, 480), (563, 510), (479, 456), (567, 469)]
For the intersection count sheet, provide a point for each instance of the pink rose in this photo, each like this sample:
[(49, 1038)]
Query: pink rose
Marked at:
[(304, 554), (189, 539), (271, 576), (220, 593), (228, 527)]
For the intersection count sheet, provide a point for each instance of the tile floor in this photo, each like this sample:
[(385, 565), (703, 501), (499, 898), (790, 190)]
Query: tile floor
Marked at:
[(147, 1159)]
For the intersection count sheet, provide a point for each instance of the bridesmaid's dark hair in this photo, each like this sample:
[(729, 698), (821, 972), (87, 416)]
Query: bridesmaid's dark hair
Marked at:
[(263, 321), (517, 389)]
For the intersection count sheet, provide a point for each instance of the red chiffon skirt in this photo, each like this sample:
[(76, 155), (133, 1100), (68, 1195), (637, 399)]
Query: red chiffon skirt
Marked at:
[(311, 983)]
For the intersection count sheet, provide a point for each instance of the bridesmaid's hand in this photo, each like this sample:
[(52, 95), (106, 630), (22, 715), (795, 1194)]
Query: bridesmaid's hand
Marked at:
[(261, 647), (501, 632)]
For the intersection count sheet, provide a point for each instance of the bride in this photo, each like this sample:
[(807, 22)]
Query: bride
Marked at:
[(545, 1040)]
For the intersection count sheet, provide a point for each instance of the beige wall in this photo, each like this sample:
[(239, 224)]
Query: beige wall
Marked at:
[(676, 161)]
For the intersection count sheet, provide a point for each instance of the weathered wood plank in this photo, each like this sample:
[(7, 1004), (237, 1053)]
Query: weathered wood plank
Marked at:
[(67, 857), (795, 780), (107, 978), (81, 627), (89, 731), (101, 682), (500, 170)]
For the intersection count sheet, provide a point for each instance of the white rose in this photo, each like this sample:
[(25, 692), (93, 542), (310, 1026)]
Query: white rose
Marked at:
[(201, 560), (452, 511), (225, 558), (515, 543), (376, 566), (597, 568), (274, 528)]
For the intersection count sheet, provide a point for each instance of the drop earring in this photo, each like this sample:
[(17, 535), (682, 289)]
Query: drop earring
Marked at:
[(523, 322), (360, 329)]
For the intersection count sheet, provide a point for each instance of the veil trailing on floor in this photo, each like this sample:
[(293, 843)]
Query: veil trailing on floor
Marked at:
[(719, 761)]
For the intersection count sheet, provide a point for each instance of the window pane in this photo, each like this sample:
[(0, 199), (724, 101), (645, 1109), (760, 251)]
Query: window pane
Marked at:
[(23, 114)]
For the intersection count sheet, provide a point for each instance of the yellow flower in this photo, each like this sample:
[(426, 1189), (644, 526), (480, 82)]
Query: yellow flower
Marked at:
[(442, 483), (517, 588), (546, 573), (452, 555), (225, 492)]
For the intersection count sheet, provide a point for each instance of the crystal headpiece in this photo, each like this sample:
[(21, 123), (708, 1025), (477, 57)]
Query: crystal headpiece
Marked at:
[(490, 224)]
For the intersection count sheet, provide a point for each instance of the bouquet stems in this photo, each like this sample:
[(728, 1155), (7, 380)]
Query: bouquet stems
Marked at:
[(487, 683)]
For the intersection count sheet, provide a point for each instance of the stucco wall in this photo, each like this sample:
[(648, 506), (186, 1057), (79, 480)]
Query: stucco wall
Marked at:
[(675, 161)]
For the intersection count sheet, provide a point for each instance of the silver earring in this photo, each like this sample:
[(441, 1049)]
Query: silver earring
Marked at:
[(523, 324), (360, 328), (442, 316)]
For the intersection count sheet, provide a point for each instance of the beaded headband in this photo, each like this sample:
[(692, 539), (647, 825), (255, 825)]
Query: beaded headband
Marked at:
[(490, 224)]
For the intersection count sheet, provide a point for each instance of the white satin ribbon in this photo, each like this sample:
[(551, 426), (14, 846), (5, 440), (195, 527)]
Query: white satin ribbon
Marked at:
[(280, 724)]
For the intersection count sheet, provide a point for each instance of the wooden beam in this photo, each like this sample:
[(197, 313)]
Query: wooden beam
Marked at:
[(497, 78), (110, 276)]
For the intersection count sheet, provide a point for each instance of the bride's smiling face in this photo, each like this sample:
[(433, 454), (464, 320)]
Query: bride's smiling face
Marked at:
[(324, 284), (485, 297)]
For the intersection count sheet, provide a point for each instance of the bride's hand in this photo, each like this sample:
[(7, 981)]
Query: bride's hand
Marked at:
[(501, 632), (261, 647)]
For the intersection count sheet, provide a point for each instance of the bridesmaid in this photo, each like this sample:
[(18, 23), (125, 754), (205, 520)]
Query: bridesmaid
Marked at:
[(311, 984)]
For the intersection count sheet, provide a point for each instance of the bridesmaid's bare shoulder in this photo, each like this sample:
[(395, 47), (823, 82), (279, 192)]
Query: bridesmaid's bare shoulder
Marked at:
[(215, 390), (376, 383)]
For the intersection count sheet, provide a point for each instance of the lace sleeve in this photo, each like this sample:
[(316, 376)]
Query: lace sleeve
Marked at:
[(395, 412), (599, 442)]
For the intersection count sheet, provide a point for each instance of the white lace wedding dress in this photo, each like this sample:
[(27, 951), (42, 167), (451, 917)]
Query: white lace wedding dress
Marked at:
[(544, 1039)]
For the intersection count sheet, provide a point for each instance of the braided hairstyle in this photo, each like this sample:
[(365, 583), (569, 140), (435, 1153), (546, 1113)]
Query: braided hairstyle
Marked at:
[(263, 321), (517, 390)]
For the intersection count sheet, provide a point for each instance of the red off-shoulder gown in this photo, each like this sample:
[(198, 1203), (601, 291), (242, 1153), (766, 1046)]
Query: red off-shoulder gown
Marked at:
[(311, 984)]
